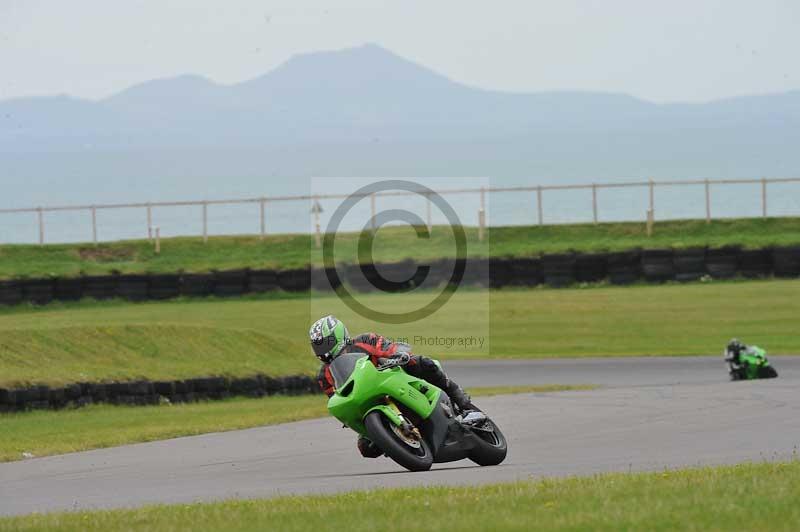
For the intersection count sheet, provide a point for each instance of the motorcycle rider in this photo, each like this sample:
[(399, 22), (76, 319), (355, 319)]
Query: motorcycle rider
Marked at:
[(330, 338), (734, 351)]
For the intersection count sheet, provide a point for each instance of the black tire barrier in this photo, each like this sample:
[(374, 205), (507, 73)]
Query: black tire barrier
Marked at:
[(298, 280), (654, 265), (247, 386), (68, 289), (231, 283), (100, 287), (526, 271), (690, 264), (559, 269), (164, 286), (359, 280), (430, 275), (321, 279), (133, 287), (263, 281), (144, 392), (165, 388), (38, 291), (755, 263), (723, 263), (394, 277), (657, 265), (591, 268), (786, 261), (271, 385), (209, 385), (11, 293), (476, 272), (197, 284), (94, 392), (624, 267), (433, 274), (499, 272)]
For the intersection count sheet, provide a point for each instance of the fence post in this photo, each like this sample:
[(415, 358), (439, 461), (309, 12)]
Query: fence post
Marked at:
[(650, 223), (372, 208), (594, 202), (149, 222), (763, 197), (708, 202), (539, 204), (315, 208), (652, 198), (94, 225), (428, 212), (158, 240), (482, 215), (205, 222), (41, 226), (263, 218)]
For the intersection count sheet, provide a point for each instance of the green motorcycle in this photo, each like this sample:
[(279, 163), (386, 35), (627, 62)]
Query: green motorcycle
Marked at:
[(751, 363), (412, 421)]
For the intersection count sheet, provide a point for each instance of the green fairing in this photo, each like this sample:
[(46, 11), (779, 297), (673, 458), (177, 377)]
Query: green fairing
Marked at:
[(350, 404), (752, 359)]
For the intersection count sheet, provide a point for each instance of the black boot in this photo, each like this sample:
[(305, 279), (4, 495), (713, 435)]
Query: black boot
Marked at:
[(458, 396)]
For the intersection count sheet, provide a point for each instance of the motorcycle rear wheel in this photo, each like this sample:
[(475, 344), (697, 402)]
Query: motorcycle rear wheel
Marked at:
[(767, 372), (413, 459)]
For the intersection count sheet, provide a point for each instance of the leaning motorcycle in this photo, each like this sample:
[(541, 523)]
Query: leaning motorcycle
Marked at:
[(753, 364), (412, 421)]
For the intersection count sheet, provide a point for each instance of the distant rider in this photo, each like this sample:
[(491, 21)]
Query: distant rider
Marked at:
[(329, 339), (734, 350)]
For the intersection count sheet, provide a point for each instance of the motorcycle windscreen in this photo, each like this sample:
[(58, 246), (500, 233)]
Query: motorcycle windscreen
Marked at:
[(342, 367)]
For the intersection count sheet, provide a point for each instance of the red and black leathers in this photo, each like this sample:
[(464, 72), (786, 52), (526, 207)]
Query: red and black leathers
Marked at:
[(370, 344), (378, 347), (422, 367)]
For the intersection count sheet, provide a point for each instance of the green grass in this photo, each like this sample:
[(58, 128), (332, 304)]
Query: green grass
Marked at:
[(759, 496), (391, 244), (74, 342), (123, 352), (46, 432)]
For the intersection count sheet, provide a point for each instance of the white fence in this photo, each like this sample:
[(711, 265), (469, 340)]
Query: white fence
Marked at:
[(538, 193)]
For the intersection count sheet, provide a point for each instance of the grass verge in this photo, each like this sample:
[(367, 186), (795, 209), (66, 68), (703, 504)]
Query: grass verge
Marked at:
[(48, 432), (391, 244), (759, 496), (122, 352), (181, 339)]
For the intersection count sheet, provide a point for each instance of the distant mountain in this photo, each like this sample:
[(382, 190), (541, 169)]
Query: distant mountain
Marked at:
[(322, 112)]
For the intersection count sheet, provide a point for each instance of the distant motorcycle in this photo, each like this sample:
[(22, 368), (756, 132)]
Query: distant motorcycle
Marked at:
[(750, 363), (412, 421)]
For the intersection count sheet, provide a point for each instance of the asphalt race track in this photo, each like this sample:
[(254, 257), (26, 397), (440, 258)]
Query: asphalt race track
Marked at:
[(651, 413)]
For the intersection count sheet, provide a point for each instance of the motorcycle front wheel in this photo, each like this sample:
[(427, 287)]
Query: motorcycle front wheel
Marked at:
[(490, 447), (414, 455)]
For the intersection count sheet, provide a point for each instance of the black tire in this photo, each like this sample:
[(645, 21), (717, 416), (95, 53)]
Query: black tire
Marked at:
[(381, 435), (490, 448), (767, 372)]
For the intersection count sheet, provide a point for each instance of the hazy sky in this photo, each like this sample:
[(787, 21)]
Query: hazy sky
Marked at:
[(661, 51)]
